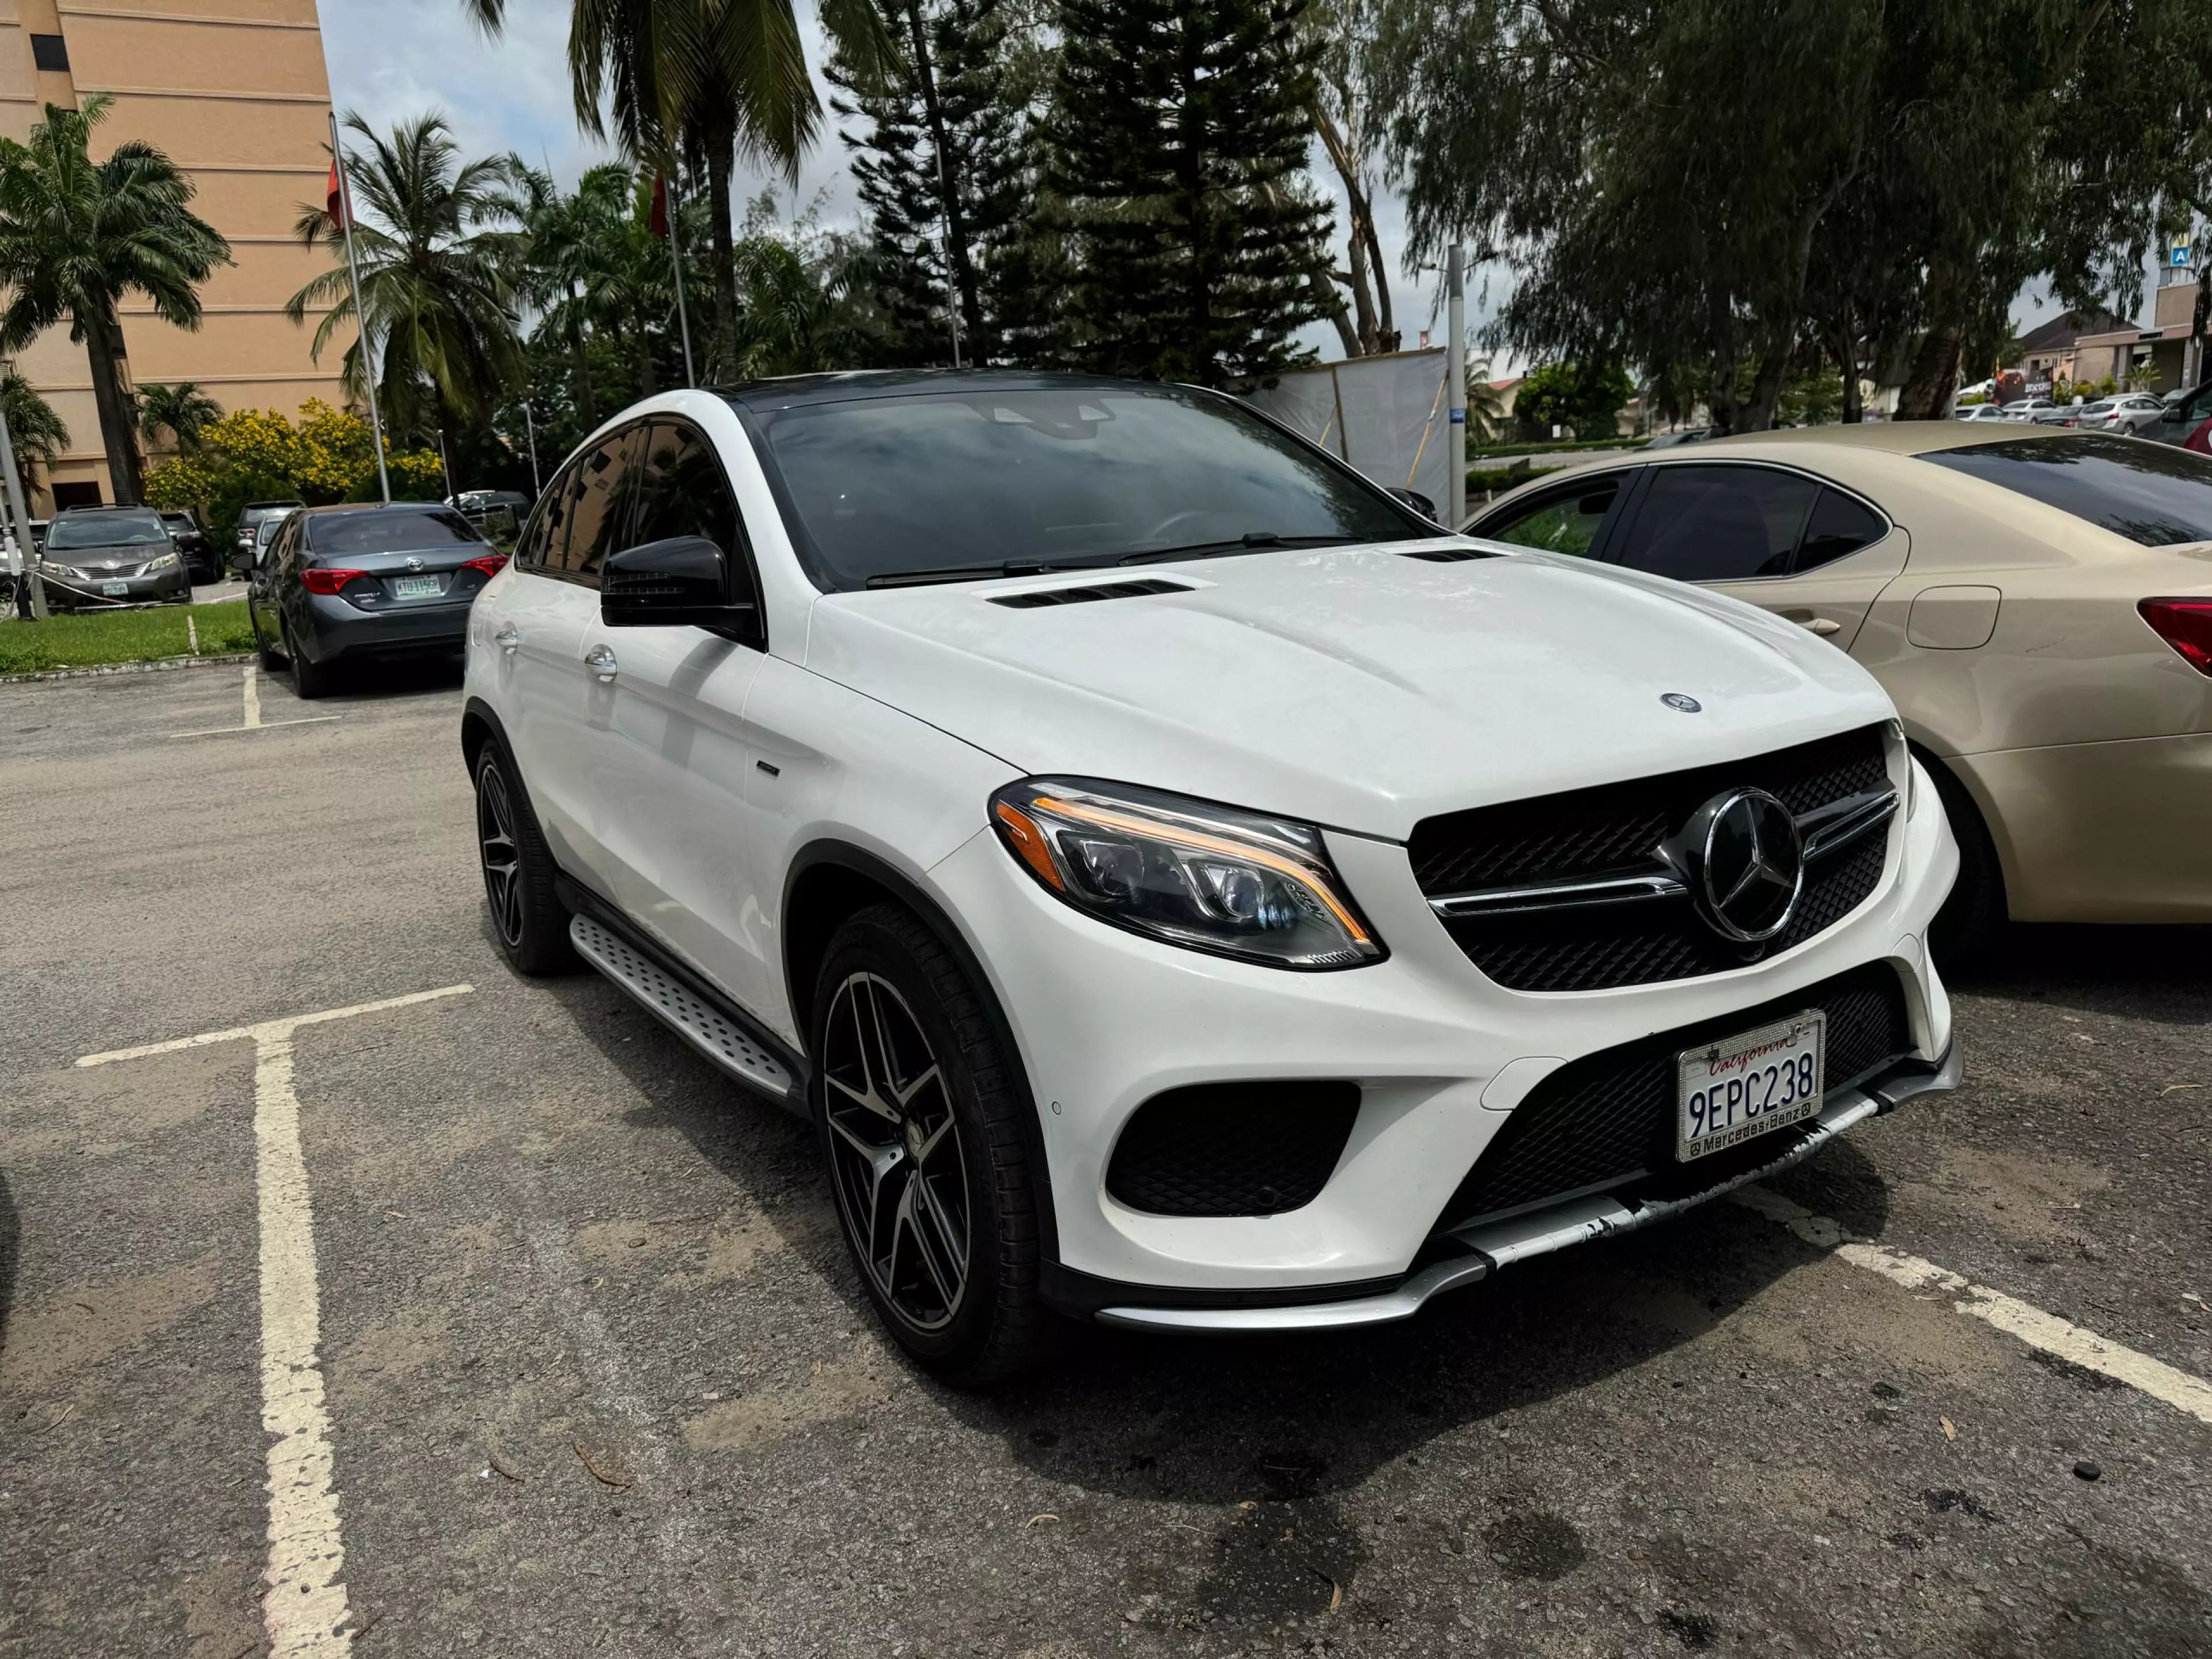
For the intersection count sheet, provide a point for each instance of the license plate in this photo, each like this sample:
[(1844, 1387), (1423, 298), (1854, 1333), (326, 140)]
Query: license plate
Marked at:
[(1734, 1091), (417, 588), (114, 587)]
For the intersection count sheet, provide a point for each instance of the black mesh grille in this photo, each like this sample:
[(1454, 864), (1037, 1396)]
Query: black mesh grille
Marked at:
[(1615, 828), (1233, 1149), (1608, 1119)]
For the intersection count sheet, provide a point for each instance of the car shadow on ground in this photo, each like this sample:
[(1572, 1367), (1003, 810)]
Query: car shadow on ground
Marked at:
[(2160, 974), (1272, 1429), (377, 681)]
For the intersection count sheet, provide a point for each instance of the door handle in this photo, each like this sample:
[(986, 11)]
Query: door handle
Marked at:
[(1823, 626), (508, 636), (600, 659)]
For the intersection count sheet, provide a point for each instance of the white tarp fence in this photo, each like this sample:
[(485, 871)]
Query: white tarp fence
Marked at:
[(1386, 415)]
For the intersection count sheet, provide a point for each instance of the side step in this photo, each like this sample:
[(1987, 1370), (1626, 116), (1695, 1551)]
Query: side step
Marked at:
[(683, 1010)]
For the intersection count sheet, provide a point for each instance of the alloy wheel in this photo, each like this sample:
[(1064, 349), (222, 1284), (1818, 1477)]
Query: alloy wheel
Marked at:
[(895, 1151), (501, 856)]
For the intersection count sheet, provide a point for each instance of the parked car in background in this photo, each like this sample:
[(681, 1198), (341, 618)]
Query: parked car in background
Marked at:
[(98, 556), (2131, 411), (2027, 409), (2184, 419), (256, 514), (2038, 602), (39, 527), (1979, 412), (346, 584), (880, 735), (191, 544), (2059, 415), (1689, 434)]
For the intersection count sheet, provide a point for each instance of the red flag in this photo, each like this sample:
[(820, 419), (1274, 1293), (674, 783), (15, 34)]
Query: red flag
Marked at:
[(659, 221), (335, 206)]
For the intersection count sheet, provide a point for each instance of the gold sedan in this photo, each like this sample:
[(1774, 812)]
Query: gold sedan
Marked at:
[(2038, 602)]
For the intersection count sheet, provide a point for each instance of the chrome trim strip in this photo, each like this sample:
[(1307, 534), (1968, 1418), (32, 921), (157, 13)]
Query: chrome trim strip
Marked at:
[(1830, 829), (1497, 1244), (1577, 894)]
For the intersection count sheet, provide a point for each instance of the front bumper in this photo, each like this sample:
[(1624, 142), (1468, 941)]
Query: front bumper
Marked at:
[(339, 629), (1105, 1021), (1475, 1253), (86, 595)]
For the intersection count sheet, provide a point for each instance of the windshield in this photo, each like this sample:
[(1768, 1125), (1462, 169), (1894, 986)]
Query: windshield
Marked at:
[(879, 488), (107, 529), (2150, 492), (389, 532)]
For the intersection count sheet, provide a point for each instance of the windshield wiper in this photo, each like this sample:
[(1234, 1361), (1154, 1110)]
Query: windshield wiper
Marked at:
[(972, 573), (1251, 541)]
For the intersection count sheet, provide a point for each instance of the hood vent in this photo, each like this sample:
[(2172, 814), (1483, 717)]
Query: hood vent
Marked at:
[(1085, 595), (1450, 555)]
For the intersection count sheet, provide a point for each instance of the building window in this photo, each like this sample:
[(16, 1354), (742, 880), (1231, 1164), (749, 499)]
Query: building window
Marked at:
[(49, 51)]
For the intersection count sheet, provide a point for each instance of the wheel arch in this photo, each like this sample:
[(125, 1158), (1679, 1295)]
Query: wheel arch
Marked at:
[(830, 881), (1956, 785)]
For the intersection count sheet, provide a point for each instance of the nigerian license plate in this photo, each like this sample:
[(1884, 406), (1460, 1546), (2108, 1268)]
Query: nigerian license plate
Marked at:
[(1732, 1091), (113, 588), (417, 588)]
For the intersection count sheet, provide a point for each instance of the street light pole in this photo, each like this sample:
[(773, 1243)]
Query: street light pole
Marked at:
[(1456, 450), (20, 527), (359, 315)]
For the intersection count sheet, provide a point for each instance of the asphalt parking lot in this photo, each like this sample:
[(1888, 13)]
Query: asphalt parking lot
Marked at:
[(593, 1375)]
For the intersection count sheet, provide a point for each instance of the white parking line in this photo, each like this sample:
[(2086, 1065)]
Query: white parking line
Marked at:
[(253, 721), (304, 1609), (2039, 1330)]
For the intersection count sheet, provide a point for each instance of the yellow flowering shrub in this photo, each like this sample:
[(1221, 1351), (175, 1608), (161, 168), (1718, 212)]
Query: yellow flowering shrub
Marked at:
[(327, 455)]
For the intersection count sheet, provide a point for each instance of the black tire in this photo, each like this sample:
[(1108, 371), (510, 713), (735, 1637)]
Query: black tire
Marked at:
[(929, 1020), (310, 679), (1975, 912), (527, 917)]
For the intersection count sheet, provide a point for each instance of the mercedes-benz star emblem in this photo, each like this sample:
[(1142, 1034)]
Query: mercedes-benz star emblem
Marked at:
[(1681, 701), (1747, 864)]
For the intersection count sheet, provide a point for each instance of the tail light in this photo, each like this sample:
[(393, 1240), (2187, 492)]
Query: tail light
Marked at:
[(2201, 439), (325, 578), (490, 565), (2184, 624)]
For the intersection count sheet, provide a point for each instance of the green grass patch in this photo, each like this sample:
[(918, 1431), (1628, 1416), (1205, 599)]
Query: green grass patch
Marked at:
[(94, 639), (1563, 446)]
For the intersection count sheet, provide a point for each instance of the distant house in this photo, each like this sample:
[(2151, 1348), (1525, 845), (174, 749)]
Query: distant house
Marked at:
[(2163, 348), (2054, 351)]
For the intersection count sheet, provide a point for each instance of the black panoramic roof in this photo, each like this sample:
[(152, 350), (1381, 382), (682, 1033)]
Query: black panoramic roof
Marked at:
[(343, 508), (800, 391)]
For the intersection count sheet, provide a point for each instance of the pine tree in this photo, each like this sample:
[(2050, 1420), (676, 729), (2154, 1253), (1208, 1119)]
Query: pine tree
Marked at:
[(940, 169), (1182, 130)]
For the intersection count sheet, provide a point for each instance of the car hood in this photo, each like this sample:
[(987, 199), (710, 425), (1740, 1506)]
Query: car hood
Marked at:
[(1358, 687)]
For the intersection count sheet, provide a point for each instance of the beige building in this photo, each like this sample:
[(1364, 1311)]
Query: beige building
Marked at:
[(234, 91)]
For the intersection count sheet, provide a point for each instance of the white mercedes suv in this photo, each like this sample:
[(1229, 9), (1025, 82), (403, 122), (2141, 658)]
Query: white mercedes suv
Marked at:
[(1185, 887)]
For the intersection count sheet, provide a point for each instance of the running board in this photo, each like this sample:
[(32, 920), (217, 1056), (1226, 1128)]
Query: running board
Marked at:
[(684, 1011)]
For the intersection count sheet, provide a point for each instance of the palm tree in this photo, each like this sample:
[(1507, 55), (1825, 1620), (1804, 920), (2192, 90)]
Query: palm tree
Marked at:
[(708, 81), (181, 410), (436, 262), (39, 434), (76, 235)]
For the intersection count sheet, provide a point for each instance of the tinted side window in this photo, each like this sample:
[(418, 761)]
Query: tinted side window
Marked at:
[(592, 518), (1565, 520), (682, 491), (530, 546), (1717, 523), (1838, 527)]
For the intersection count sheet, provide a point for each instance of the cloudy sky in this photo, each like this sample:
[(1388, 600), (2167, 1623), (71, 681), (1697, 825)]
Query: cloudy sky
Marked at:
[(390, 59)]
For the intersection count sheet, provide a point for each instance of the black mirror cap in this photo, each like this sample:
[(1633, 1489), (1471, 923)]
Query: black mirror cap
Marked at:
[(1420, 504), (683, 581)]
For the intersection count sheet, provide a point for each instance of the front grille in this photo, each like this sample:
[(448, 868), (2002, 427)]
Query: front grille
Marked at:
[(1613, 829), (1608, 1120), (1232, 1148)]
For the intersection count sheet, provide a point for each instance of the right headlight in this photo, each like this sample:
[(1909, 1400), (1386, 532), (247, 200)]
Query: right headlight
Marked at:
[(1187, 872)]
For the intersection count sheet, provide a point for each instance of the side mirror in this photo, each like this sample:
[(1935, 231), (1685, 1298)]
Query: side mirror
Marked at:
[(241, 560), (1420, 504), (683, 581)]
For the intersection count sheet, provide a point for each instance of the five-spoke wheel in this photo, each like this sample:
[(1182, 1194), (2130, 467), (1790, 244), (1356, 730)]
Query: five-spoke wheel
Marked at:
[(895, 1151), (502, 857)]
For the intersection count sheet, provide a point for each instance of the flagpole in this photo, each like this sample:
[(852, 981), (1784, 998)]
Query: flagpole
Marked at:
[(360, 316), (676, 258)]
